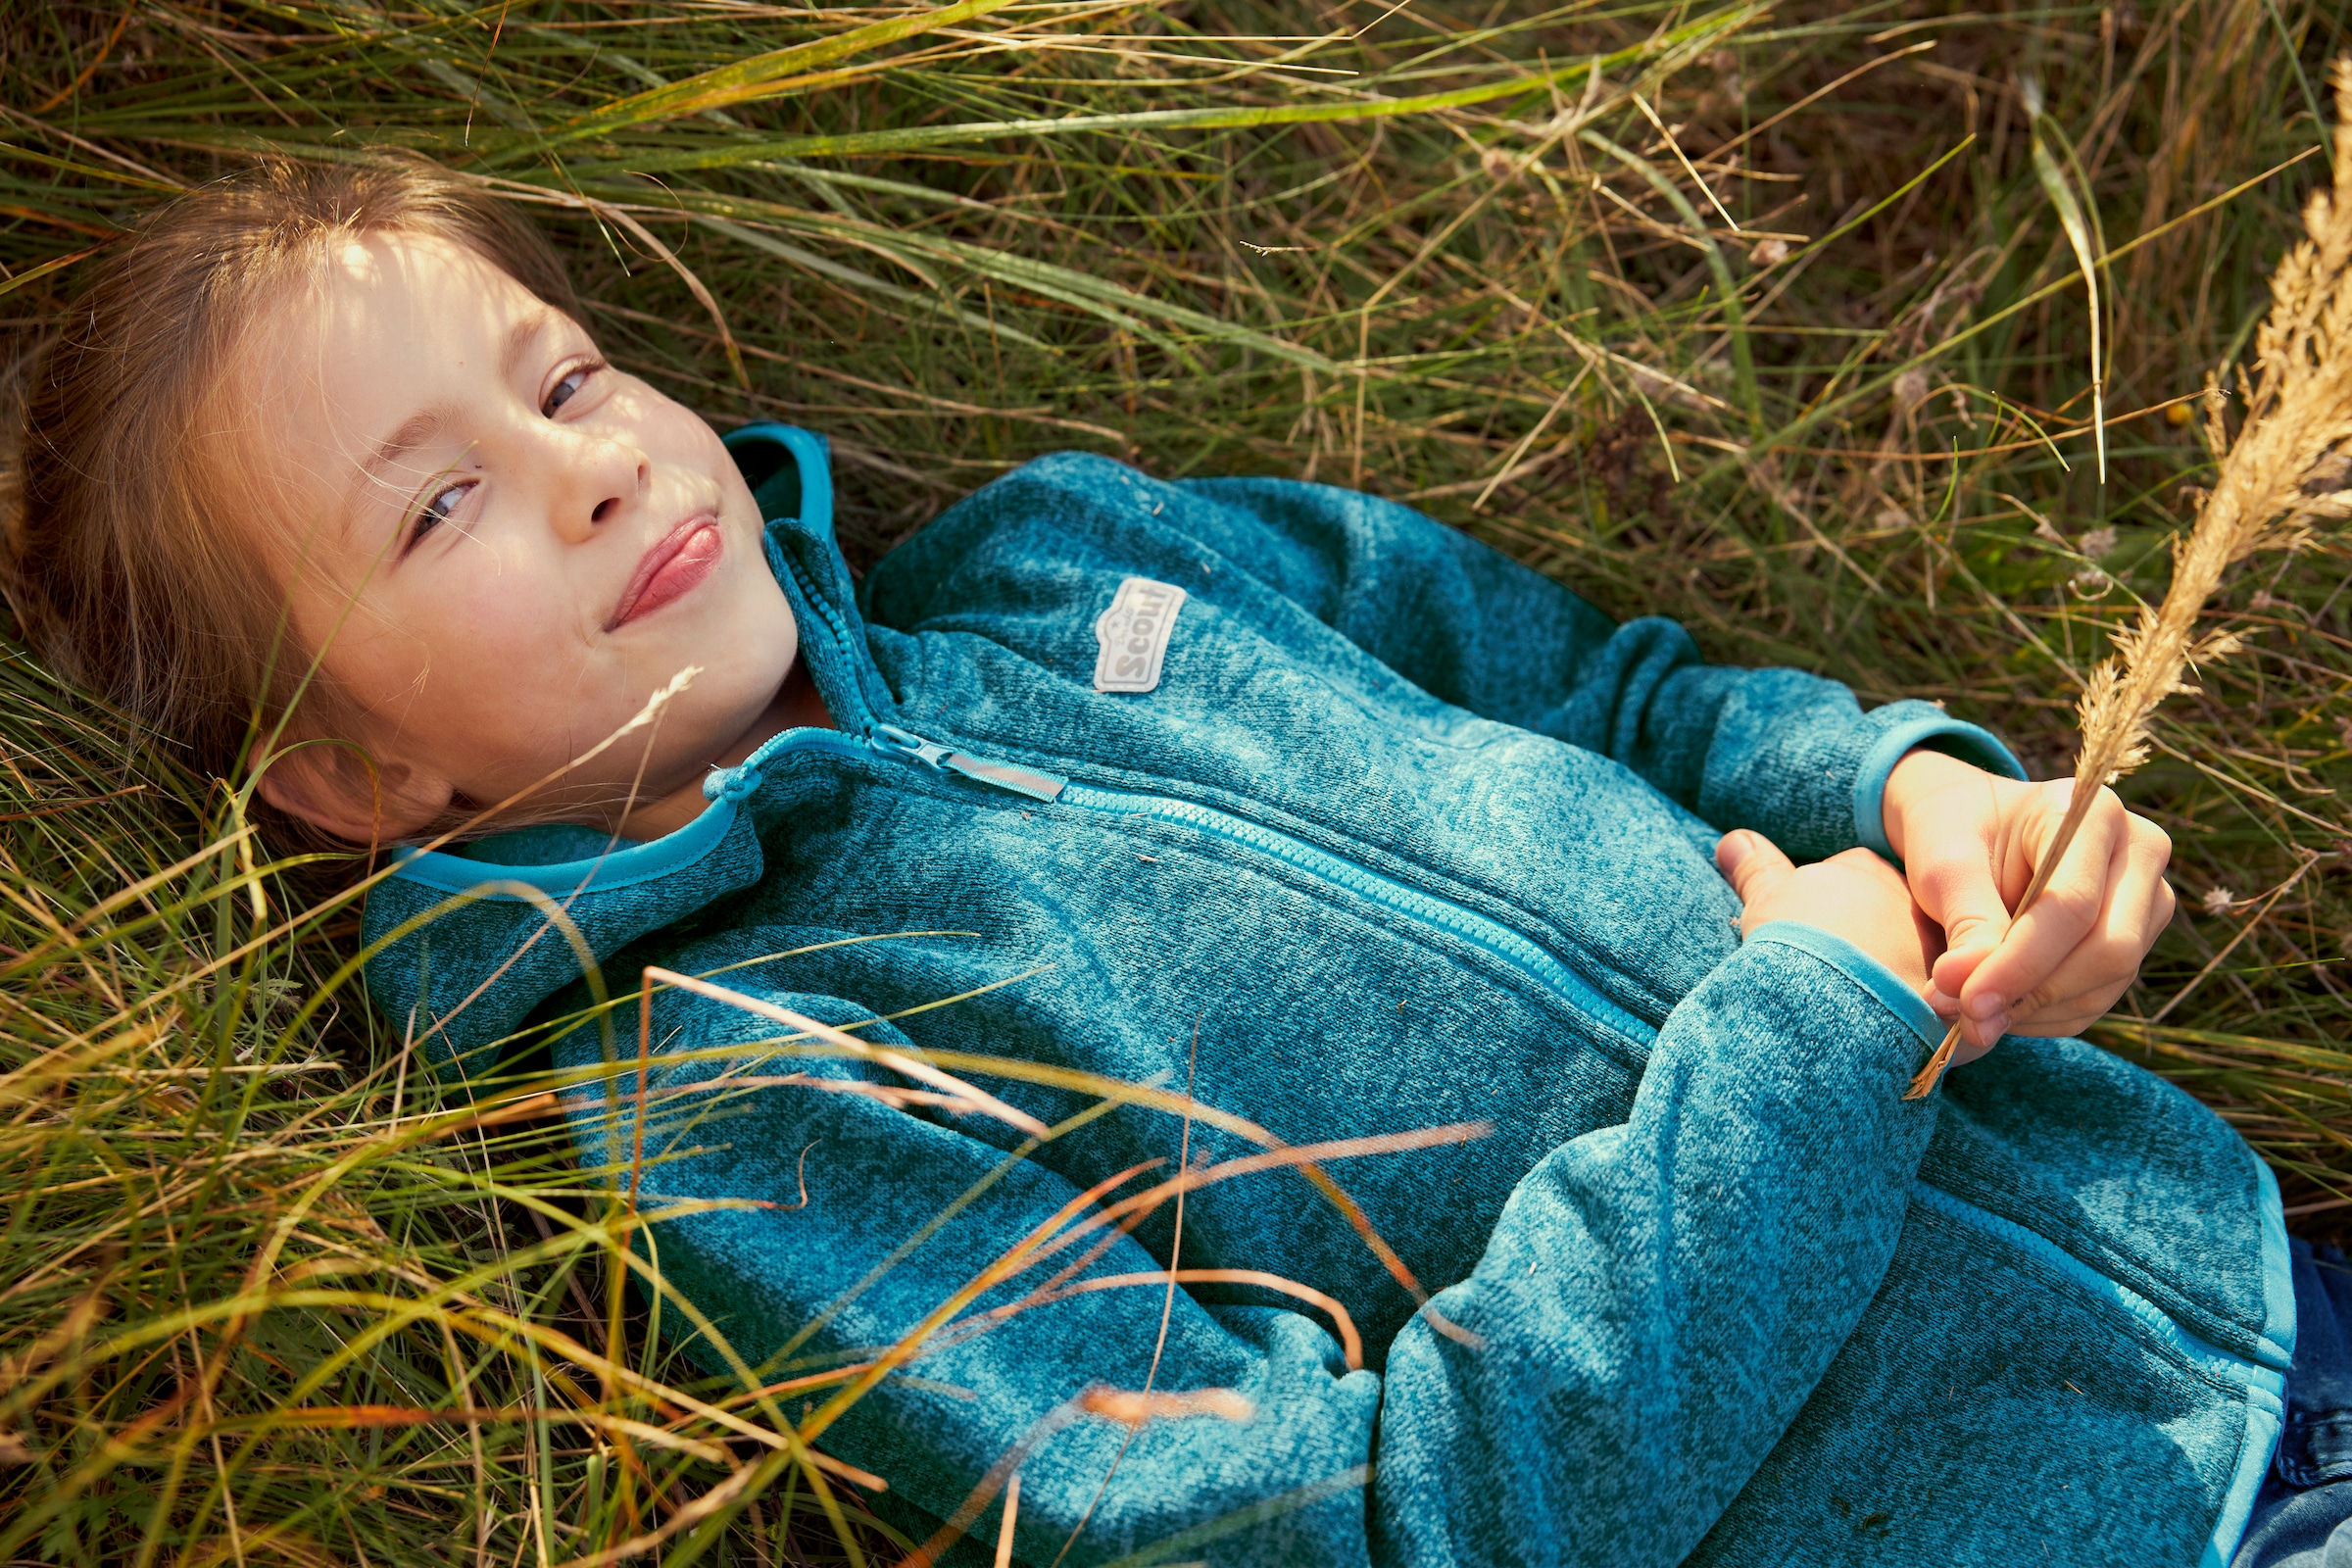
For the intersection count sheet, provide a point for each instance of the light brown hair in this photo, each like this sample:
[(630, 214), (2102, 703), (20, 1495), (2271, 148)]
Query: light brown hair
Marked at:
[(117, 552)]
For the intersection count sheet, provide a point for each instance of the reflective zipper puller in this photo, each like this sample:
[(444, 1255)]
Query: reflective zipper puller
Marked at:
[(902, 746), (1037, 785), (891, 741)]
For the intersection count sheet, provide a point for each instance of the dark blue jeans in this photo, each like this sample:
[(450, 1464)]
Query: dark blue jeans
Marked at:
[(2303, 1514)]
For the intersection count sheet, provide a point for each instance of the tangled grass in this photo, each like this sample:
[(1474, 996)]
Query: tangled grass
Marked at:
[(1773, 319)]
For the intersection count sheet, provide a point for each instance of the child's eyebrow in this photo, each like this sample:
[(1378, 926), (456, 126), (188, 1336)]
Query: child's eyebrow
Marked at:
[(412, 432), (519, 338)]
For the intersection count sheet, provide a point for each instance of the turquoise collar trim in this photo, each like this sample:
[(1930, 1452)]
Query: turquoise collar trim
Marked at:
[(809, 501), (627, 863)]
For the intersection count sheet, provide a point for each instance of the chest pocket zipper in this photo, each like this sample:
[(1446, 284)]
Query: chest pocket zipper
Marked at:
[(1488, 935)]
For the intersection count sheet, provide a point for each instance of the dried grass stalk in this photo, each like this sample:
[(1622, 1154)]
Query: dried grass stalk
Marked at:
[(2290, 467)]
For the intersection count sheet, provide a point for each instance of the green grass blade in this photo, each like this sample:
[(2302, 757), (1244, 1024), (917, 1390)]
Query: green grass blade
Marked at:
[(2087, 251)]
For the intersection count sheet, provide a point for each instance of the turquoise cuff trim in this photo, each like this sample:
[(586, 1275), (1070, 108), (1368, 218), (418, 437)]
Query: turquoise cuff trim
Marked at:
[(623, 867), (1969, 743), (2276, 1346), (1861, 968), (2266, 1419)]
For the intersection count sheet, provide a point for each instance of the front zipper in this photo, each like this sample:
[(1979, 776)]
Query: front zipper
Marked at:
[(1034, 783), (1483, 932), (1487, 934)]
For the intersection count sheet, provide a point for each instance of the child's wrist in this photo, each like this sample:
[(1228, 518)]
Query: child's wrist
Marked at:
[(1919, 775)]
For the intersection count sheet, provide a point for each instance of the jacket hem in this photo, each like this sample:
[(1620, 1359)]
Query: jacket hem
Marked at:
[(2276, 1344), (2266, 1418)]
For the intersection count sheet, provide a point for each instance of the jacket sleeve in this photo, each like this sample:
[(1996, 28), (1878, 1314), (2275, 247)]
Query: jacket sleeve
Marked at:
[(1656, 1303), (1789, 754)]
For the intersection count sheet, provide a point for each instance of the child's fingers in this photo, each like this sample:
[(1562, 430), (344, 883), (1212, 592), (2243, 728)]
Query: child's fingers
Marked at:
[(1964, 875), (1987, 976), (2080, 946), (1753, 863), (2037, 943), (2070, 1016), (2104, 964), (1953, 880)]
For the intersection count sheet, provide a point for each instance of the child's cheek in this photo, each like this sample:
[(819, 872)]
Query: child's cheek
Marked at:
[(511, 629)]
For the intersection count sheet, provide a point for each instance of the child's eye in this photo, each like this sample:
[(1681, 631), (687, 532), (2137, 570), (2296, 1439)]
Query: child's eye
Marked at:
[(564, 390), (436, 510)]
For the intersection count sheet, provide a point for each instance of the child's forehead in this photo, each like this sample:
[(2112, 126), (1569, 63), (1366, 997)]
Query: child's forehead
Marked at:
[(419, 280), (386, 315)]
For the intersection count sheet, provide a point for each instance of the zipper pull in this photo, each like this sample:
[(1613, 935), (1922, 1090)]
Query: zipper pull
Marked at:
[(1037, 785)]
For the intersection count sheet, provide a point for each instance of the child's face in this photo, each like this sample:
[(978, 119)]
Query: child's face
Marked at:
[(503, 547)]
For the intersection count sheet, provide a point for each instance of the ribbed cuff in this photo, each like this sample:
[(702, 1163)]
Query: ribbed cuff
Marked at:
[(1861, 968), (1934, 730)]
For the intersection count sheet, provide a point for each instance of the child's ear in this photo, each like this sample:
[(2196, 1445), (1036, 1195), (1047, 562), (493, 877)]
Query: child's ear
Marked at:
[(333, 786)]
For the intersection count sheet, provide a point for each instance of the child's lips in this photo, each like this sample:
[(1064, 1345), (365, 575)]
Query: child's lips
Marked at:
[(677, 563)]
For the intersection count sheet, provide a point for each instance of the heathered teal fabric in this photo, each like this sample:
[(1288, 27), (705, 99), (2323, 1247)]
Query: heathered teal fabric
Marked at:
[(1408, 835)]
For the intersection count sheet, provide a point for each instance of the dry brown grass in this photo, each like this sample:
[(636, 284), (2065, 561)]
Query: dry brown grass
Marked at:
[(1851, 435)]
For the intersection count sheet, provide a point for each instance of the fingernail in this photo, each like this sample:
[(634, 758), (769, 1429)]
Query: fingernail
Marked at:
[(1985, 1005), (1990, 1030), (1944, 1007)]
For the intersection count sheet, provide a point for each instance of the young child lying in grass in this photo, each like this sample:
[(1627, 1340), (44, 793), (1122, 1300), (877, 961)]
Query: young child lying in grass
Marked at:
[(1282, 794)]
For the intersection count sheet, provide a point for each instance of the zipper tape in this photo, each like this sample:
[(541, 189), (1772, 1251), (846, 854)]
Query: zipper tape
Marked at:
[(1483, 932)]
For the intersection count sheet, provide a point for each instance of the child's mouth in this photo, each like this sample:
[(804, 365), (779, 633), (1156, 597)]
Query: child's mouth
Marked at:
[(677, 563)]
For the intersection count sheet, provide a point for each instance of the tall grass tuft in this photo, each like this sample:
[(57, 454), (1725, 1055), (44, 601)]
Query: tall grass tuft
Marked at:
[(1765, 318)]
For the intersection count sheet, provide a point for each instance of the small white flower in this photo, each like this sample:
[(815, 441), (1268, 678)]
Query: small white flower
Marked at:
[(2099, 543), (1911, 389), (1769, 253), (2093, 583), (2218, 899), (2262, 600)]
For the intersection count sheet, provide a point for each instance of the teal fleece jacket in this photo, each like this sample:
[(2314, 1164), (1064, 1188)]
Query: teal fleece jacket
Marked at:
[(1401, 835)]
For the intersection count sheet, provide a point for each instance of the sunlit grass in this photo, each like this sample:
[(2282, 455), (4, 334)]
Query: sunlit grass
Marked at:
[(1610, 286)]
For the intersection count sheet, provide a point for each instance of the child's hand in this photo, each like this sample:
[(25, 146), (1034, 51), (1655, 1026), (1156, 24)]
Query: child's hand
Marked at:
[(1970, 843), (1856, 896)]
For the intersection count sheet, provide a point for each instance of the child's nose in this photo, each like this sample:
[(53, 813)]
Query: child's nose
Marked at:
[(607, 487)]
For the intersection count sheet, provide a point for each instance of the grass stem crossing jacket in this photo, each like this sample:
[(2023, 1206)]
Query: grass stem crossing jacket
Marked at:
[(1353, 826)]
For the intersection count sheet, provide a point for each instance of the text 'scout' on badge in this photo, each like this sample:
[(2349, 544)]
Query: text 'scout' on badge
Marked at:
[(1134, 635)]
